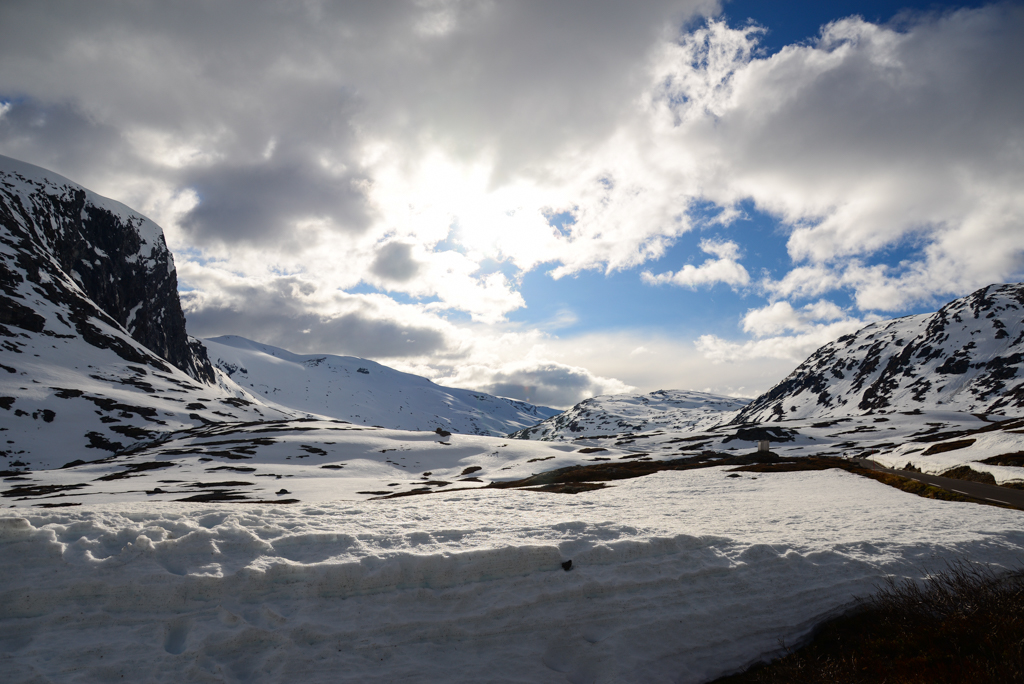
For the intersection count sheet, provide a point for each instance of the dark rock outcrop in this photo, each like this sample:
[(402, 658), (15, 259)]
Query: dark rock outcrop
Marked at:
[(83, 252)]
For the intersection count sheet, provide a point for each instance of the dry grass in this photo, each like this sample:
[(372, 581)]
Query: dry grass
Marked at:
[(965, 624)]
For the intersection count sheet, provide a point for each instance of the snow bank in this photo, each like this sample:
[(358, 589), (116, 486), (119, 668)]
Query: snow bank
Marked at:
[(699, 574)]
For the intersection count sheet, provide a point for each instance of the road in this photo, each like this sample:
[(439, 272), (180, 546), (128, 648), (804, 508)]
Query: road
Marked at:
[(1004, 495)]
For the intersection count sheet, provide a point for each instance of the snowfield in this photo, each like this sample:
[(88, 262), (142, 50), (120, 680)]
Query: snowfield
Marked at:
[(675, 577), (365, 392)]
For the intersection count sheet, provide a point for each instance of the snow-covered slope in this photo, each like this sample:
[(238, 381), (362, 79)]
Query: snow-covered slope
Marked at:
[(967, 356), (615, 414), (93, 350), (366, 392)]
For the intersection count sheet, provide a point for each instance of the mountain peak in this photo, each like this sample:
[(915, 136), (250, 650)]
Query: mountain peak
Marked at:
[(967, 356)]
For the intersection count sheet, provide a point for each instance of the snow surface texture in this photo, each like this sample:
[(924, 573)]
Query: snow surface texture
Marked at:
[(118, 566), (674, 410), (967, 356), (676, 577), (365, 392), (310, 460)]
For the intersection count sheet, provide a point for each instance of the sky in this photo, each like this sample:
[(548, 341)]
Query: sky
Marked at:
[(543, 200)]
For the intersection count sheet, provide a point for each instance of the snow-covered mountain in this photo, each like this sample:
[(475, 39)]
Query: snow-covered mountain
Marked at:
[(93, 349), (967, 356), (615, 414), (365, 392)]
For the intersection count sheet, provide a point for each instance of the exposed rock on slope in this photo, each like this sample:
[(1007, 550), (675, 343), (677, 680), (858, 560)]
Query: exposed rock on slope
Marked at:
[(85, 252), (93, 351), (967, 356), (366, 392), (614, 414)]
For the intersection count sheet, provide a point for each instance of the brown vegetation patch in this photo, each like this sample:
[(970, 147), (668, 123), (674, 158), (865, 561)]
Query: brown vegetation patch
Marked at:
[(40, 490), (604, 472), (965, 472), (902, 483), (1015, 458), (795, 465), (221, 496), (965, 624), (135, 469), (948, 446), (569, 488)]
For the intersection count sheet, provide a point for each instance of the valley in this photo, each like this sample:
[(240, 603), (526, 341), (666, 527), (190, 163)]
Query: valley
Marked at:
[(224, 509)]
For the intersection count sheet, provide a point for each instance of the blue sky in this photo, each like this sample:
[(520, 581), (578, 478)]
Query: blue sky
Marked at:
[(798, 21), (576, 198), (621, 300)]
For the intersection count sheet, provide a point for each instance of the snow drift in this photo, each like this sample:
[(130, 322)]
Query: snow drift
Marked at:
[(678, 577)]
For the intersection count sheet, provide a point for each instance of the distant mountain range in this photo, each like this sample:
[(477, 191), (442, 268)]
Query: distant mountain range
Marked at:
[(616, 414), (966, 357), (95, 360)]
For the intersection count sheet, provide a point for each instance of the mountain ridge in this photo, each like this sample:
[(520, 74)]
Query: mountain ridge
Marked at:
[(967, 356), (673, 410), (95, 355), (374, 394)]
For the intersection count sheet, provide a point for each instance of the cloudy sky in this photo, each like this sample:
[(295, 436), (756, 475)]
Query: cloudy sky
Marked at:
[(544, 200)]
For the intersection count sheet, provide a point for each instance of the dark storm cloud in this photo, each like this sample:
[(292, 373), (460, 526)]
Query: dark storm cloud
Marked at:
[(256, 203), (394, 262), (548, 384), (280, 314), (312, 82), (60, 135)]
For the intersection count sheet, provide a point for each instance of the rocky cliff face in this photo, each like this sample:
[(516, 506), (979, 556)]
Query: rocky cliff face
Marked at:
[(69, 246), (967, 356), (93, 352)]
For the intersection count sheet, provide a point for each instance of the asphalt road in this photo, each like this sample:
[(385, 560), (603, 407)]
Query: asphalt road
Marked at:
[(979, 490)]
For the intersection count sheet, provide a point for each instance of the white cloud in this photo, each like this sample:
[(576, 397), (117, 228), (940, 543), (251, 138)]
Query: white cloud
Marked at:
[(295, 152), (791, 348), (725, 269), (784, 332), (872, 139), (781, 317), (304, 130), (547, 383)]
